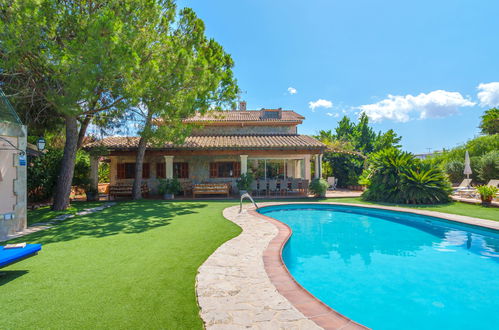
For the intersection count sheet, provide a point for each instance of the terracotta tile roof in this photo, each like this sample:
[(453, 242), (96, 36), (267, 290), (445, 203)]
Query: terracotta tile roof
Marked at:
[(244, 116), (218, 142)]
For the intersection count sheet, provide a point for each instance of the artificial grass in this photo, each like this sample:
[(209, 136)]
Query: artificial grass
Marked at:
[(132, 265), (44, 214), (471, 210)]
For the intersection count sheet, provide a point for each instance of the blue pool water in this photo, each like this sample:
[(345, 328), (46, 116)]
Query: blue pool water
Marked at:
[(394, 270)]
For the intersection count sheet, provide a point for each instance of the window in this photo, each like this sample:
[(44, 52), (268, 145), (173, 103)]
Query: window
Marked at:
[(127, 171), (160, 170), (225, 170), (145, 171), (181, 170)]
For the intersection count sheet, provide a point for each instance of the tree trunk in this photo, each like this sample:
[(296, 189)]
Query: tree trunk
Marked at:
[(63, 188), (139, 160), (83, 130)]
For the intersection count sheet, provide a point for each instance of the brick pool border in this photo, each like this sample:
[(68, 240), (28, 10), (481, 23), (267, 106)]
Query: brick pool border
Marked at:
[(245, 283), (311, 307)]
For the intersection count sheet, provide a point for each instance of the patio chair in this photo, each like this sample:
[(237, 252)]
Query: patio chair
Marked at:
[(332, 182), (466, 184), (295, 186), (272, 186), (262, 187), (284, 186), (493, 183), (303, 186), (254, 187), (9, 256), (465, 190), (187, 188)]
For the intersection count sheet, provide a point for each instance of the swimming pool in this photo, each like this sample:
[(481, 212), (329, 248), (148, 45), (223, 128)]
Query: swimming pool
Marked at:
[(393, 270)]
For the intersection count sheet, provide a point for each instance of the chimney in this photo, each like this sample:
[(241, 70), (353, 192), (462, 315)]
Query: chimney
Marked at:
[(242, 106)]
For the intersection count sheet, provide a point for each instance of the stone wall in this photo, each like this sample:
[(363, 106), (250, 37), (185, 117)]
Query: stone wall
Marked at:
[(199, 167), (13, 194), (245, 130)]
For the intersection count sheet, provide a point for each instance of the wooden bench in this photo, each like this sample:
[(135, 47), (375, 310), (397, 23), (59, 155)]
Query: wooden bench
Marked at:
[(211, 189), (125, 189)]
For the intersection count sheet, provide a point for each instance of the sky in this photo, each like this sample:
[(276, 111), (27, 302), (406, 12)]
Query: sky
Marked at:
[(427, 69)]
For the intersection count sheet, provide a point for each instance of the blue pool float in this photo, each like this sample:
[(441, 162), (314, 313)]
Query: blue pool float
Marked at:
[(10, 256)]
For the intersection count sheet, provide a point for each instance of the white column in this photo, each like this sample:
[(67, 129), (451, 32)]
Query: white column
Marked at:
[(306, 165), (320, 165), (297, 168), (94, 171), (244, 164), (169, 167), (317, 166), (113, 175)]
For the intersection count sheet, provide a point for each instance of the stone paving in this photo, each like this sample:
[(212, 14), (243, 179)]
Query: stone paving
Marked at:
[(45, 225), (233, 288)]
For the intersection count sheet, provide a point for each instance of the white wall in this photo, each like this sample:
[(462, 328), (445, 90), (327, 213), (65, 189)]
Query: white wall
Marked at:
[(8, 173)]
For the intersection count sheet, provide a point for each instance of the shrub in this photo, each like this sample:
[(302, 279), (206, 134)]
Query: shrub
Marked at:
[(42, 175), (318, 187), (44, 170), (488, 166), (425, 184), (347, 168), (244, 182), (169, 186), (454, 170), (395, 176), (81, 177), (104, 172)]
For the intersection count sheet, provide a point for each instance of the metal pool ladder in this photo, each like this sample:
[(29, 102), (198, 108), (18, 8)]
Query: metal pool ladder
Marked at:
[(243, 196)]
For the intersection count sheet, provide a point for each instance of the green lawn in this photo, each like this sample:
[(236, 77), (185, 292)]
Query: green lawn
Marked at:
[(477, 211), (130, 266), (44, 214)]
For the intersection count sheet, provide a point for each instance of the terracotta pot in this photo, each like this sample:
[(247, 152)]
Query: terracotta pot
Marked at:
[(487, 201)]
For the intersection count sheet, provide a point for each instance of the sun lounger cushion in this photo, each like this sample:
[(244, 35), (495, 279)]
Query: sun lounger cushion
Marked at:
[(9, 256)]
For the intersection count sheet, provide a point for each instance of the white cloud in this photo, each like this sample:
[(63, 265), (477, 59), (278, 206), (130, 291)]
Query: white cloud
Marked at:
[(320, 103), (489, 94), (292, 90), (334, 115), (436, 104)]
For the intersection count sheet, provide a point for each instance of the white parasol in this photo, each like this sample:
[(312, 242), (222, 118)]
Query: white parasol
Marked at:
[(467, 165)]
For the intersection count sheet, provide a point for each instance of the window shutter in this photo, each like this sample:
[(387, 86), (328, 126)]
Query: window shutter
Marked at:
[(237, 169), (213, 170), (121, 170), (160, 170), (145, 170)]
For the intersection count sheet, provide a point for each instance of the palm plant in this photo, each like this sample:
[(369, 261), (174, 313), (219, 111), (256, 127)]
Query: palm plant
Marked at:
[(425, 184), (395, 176)]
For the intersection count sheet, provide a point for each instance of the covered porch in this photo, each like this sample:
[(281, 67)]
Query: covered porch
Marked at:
[(274, 174)]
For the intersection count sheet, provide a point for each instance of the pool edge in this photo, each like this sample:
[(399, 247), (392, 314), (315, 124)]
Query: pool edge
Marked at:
[(304, 301), (310, 306)]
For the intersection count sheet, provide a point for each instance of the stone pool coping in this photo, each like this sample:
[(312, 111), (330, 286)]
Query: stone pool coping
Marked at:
[(310, 306), (245, 282), (301, 298)]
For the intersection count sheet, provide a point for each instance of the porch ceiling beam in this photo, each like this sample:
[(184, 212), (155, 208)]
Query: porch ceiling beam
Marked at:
[(217, 152)]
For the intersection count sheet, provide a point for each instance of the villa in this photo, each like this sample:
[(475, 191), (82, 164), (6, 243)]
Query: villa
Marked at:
[(224, 145)]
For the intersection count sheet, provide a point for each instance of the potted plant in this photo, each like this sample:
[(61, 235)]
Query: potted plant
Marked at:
[(487, 193), (244, 183), (318, 187), (92, 193), (169, 187)]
